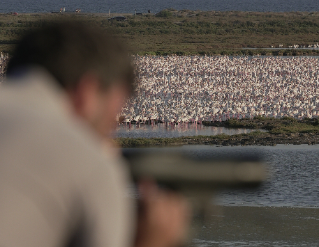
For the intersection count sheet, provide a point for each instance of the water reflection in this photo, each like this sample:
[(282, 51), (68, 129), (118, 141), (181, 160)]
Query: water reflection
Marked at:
[(164, 131)]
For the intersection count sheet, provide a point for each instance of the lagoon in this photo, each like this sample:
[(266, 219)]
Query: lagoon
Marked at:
[(283, 212), (293, 174)]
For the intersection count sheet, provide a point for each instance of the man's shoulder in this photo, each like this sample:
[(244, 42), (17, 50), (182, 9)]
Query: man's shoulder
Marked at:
[(34, 122)]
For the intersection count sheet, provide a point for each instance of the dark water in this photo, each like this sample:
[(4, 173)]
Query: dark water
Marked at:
[(163, 131), (243, 243), (283, 212), (294, 171), (128, 6), (294, 180)]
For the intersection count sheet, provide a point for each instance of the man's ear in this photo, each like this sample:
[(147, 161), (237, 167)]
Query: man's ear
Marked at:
[(84, 97)]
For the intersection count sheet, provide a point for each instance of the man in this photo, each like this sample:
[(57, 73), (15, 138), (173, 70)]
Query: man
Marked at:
[(58, 186)]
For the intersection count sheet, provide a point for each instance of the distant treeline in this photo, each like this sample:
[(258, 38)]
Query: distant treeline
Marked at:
[(192, 32)]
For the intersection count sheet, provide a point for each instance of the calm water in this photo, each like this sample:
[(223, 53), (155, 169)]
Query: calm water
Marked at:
[(294, 168), (242, 243), (160, 130), (294, 173), (128, 6), (294, 184)]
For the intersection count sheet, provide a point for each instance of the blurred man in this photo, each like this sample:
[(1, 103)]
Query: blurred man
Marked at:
[(58, 186)]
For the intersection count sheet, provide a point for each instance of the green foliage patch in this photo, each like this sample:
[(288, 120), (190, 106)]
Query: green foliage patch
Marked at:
[(190, 32)]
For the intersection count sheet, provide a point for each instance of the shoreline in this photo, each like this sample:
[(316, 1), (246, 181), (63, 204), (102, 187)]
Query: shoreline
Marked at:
[(255, 138), (287, 131), (172, 10)]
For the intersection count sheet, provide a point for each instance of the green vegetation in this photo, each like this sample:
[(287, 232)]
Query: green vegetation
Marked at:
[(273, 125), (177, 141), (191, 32), (291, 125)]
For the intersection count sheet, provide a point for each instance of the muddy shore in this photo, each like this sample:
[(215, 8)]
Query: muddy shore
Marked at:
[(252, 139)]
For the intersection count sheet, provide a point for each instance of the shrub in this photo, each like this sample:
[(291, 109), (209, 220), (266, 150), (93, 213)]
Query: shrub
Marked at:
[(164, 13)]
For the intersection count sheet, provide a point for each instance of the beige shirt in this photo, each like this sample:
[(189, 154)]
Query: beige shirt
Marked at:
[(57, 186)]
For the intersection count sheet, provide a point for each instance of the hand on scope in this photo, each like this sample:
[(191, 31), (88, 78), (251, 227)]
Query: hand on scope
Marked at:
[(163, 218)]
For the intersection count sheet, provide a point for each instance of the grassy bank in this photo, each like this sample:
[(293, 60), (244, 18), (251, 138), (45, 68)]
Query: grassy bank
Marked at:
[(256, 138), (274, 126), (191, 32)]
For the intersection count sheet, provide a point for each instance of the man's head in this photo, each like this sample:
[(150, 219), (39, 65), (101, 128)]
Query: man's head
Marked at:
[(89, 64)]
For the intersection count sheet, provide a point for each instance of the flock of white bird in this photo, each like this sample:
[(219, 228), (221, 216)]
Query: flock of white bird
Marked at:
[(176, 89), (182, 89)]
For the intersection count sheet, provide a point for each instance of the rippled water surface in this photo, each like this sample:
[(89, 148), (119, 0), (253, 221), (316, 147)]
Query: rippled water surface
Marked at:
[(125, 6), (294, 174), (283, 213), (205, 243), (163, 131), (293, 170)]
